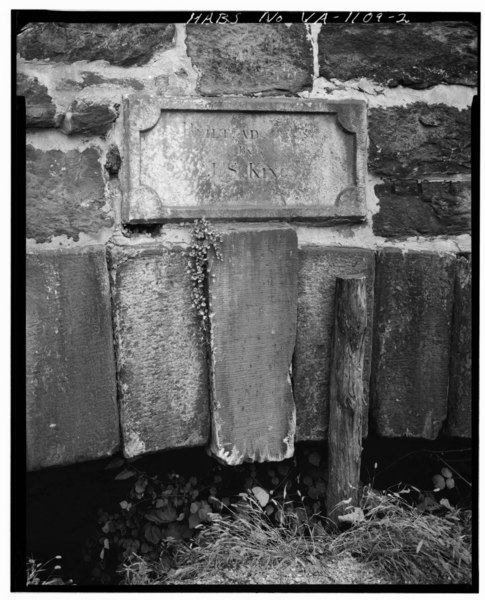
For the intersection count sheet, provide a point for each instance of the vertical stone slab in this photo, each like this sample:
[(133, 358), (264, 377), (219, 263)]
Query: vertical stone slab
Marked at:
[(411, 358), (459, 422), (162, 371), (72, 414), (318, 270), (252, 297)]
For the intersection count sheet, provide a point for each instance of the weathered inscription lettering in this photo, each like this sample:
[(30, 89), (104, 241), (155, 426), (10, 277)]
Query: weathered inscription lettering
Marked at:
[(244, 159)]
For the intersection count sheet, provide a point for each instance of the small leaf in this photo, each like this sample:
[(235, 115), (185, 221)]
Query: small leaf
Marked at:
[(125, 474), (162, 515), (115, 463), (438, 482), (261, 495), (106, 543), (141, 485), (355, 516), (446, 472), (450, 483), (146, 548), (152, 533), (194, 520), (194, 507), (269, 509), (204, 511), (419, 546), (181, 517), (307, 480), (313, 493), (125, 505), (445, 502)]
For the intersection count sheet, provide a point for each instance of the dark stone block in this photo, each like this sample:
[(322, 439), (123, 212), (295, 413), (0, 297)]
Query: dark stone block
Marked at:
[(123, 44), (318, 270), (418, 55), (459, 423), (248, 59), (252, 298), (89, 118), (162, 369), (65, 194), (113, 160), (72, 415), (90, 78), (40, 110), (411, 348), (409, 208), (418, 140)]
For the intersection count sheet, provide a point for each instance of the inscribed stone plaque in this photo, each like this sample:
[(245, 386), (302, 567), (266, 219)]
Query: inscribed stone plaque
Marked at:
[(244, 159)]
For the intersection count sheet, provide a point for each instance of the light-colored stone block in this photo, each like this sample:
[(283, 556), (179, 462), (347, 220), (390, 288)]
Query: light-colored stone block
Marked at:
[(162, 371), (252, 297)]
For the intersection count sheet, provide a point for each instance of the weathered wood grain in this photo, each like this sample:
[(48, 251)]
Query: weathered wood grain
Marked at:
[(346, 395), (252, 298)]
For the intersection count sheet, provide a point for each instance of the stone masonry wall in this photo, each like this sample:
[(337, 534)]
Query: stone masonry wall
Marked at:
[(418, 80)]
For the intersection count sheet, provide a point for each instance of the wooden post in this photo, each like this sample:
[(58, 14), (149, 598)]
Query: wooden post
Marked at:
[(346, 394)]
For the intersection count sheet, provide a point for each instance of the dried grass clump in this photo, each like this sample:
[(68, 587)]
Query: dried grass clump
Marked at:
[(393, 544), (244, 540), (407, 545)]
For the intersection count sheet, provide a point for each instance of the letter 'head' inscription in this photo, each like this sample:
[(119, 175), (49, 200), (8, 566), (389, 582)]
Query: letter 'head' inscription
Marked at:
[(244, 159)]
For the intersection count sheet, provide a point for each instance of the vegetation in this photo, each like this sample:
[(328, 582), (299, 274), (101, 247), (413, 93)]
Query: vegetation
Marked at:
[(39, 573), (393, 543), (204, 240), (180, 529)]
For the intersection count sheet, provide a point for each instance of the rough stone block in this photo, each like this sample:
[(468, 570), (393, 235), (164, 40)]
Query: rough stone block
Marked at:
[(251, 58), (418, 55), (65, 193), (162, 369), (88, 118), (123, 44), (252, 298), (318, 270), (418, 140), (459, 422), (40, 110), (411, 349), (409, 208), (91, 79), (72, 415)]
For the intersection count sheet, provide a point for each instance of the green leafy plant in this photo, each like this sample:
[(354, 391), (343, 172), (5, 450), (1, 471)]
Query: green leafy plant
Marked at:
[(205, 239)]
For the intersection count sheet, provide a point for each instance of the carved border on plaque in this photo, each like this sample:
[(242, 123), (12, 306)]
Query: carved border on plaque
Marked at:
[(142, 113)]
